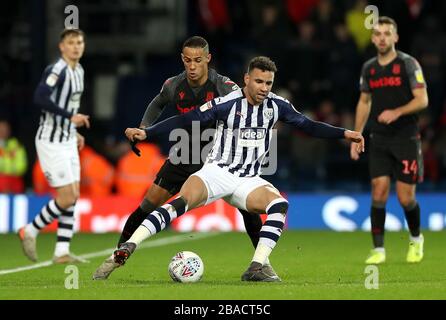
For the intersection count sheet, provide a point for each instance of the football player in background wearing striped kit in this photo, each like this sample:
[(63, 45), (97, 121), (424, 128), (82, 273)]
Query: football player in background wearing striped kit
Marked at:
[(245, 119), (57, 143)]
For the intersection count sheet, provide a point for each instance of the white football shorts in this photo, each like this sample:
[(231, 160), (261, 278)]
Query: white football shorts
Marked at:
[(59, 161), (222, 184)]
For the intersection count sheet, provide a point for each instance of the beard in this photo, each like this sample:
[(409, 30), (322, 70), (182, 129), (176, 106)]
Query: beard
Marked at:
[(384, 51)]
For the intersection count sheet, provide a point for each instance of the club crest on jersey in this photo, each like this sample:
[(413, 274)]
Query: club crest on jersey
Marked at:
[(268, 113), (209, 96), (396, 69)]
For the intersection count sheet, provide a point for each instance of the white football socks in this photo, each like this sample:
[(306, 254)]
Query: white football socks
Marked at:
[(262, 253), (416, 239), (62, 248), (380, 249), (140, 234), (31, 230)]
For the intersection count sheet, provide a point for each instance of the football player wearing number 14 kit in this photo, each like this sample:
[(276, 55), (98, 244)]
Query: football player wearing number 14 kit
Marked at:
[(392, 92)]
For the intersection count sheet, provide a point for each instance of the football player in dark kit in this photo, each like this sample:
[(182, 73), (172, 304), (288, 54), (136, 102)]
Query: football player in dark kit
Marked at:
[(186, 91), (392, 92)]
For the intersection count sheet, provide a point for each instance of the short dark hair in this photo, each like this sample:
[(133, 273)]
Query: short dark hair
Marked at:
[(262, 63), (196, 42), (388, 20), (68, 32)]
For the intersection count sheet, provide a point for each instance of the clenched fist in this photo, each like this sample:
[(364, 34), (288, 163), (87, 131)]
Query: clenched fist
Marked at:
[(135, 134)]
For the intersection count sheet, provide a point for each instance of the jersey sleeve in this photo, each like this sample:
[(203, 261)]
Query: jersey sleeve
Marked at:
[(289, 115), (156, 106), (52, 78), (363, 83), (414, 73), (207, 113), (225, 85)]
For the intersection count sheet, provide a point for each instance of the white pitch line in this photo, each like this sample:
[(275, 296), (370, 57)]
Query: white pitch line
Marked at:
[(106, 252)]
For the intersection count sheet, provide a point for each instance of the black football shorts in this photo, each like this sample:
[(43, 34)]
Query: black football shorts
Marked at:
[(171, 177), (396, 157)]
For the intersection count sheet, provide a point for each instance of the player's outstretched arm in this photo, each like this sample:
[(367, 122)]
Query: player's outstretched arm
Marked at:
[(324, 130), (317, 129), (140, 134), (202, 115)]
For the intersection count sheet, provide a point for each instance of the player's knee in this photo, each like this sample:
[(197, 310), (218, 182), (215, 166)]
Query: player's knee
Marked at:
[(64, 203), (157, 195), (73, 196), (379, 195), (67, 199), (194, 192), (76, 194), (189, 198), (260, 199)]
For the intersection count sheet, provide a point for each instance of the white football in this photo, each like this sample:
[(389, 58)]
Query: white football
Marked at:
[(186, 266)]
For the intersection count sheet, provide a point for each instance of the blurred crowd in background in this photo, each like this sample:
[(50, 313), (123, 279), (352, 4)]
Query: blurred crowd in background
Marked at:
[(132, 46)]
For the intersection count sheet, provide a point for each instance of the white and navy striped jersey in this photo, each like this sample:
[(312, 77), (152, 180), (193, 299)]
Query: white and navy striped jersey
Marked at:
[(58, 94), (244, 131)]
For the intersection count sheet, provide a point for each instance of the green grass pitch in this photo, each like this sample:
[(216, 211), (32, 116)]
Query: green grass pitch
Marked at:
[(312, 264)]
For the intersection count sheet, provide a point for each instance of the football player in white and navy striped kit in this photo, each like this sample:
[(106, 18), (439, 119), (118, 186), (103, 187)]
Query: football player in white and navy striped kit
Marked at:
[(57, 143), (245, 119)]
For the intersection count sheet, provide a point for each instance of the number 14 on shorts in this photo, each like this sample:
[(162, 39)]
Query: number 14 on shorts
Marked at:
[(410, 167)]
